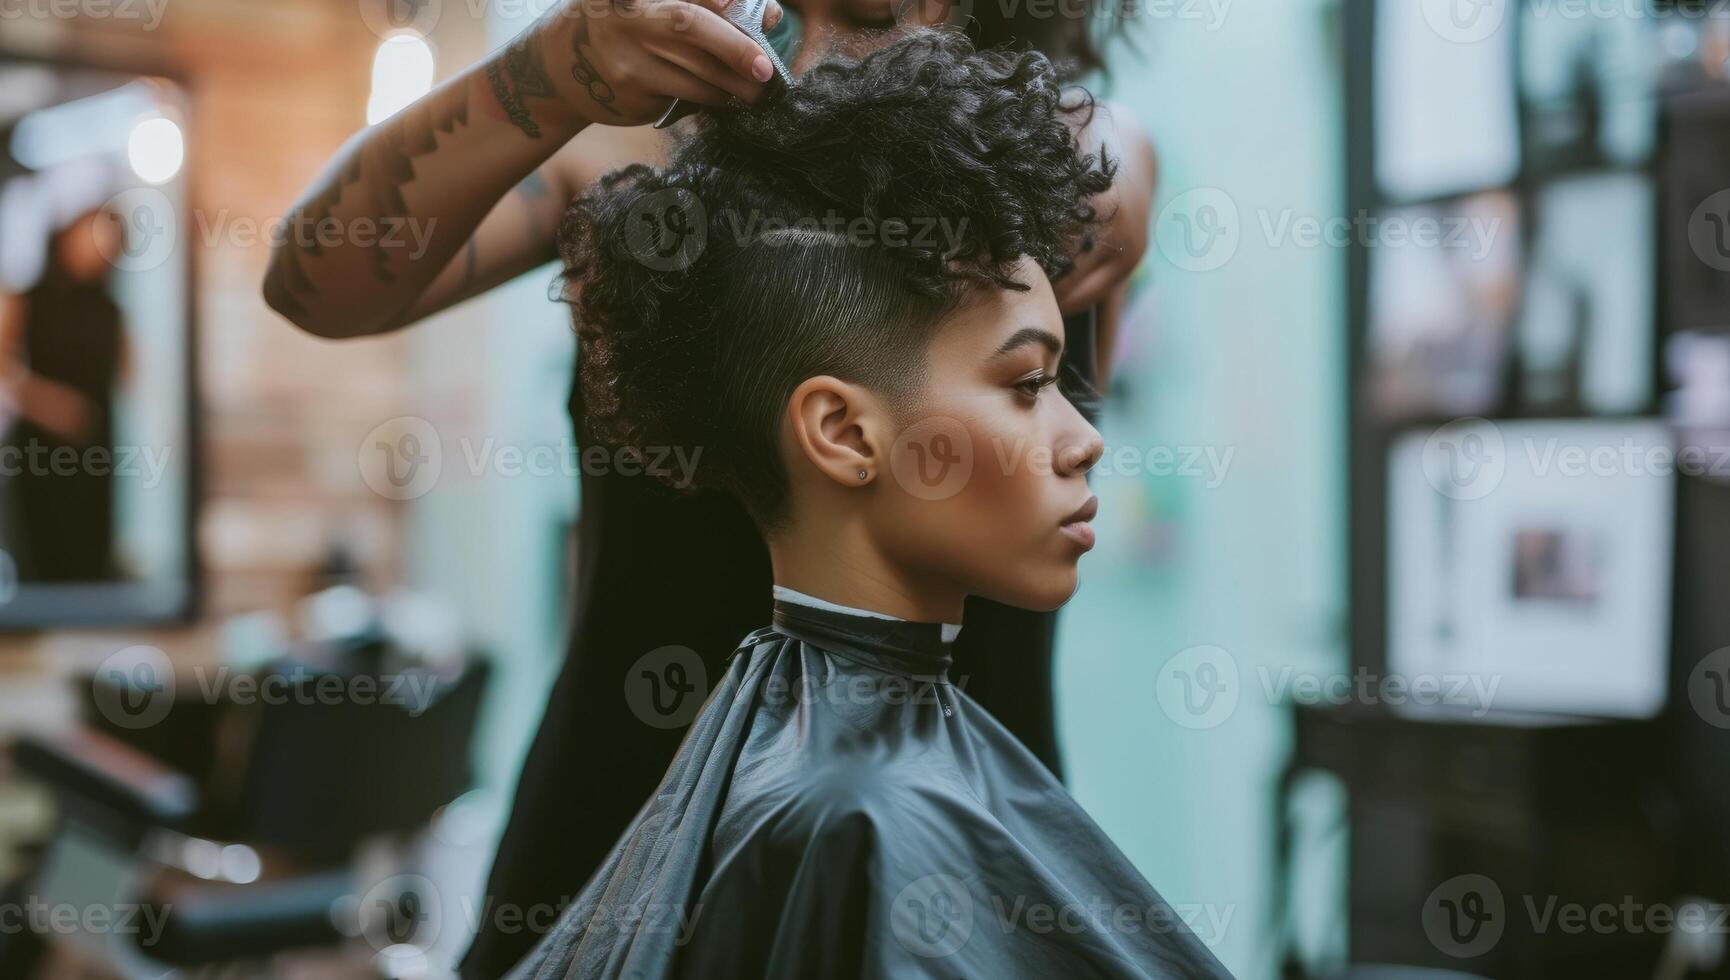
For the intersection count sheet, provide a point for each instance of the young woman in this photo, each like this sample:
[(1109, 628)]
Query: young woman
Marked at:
[(841, 807), (486, 164)]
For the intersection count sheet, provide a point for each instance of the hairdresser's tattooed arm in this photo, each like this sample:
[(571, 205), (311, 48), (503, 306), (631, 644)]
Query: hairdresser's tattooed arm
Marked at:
[(517, 79), (531, 213), (463, 189)]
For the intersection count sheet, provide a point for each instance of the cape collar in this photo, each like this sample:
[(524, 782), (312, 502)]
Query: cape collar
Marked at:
[(950, 630), (897, 645)]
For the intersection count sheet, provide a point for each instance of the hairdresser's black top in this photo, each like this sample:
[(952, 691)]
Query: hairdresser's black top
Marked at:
[(839, 807)]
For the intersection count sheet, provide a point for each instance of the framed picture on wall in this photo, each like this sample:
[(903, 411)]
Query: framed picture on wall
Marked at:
[(1534, 558)]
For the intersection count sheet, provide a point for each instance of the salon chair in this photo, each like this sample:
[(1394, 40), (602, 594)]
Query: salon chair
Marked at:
[(293, 785)]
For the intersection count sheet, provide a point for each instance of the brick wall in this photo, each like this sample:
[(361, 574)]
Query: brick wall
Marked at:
[(276, 87)]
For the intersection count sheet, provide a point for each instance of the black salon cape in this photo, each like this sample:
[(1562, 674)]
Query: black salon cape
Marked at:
[(839, 808)]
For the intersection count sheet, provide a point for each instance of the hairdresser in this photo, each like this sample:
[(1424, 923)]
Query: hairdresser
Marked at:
[(485, 165)]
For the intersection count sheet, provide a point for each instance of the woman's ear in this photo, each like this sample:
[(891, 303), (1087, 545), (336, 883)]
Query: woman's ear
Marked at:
[(842, 429)]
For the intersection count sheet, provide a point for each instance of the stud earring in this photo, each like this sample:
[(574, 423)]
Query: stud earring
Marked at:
[(863, 475)]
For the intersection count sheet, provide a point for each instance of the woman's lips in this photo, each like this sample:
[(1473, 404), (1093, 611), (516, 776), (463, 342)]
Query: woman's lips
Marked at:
[(1077, 527)]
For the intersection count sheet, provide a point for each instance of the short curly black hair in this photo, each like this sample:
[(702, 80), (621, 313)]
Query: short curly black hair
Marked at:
[(826, 230)]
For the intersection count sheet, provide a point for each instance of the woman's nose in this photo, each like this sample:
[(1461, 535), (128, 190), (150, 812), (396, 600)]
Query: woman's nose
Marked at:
[(1081, 455)]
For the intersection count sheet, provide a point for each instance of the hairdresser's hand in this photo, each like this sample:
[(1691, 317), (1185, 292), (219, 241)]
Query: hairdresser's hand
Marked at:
[(621, 63), (1106, 260)]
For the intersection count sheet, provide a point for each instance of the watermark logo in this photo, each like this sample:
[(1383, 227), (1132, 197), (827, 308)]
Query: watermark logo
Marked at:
[(1709, 231), (1465, 916), (149, 230), (1199, 230), (1199, 687), (400, 458), (666, 686), (933, 458), (667, 229), (933, 916), (1465, 459), (388, 18), (134, 688), (401, 909), (1709, 688), (1465, 21)]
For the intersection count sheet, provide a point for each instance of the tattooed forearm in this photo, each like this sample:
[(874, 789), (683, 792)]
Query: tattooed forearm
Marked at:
[(407, 216), (513, 106), (370, 182), (587, 75), (523, 61), (516, 77)]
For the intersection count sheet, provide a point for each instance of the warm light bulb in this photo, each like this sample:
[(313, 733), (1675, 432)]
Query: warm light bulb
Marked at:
[(402, 71), (156, 149)]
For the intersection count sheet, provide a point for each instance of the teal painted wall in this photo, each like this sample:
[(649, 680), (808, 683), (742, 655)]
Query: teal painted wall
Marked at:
[(1231, 390)]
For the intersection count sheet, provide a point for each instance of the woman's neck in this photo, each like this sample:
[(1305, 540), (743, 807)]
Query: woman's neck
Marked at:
[(841, 568)]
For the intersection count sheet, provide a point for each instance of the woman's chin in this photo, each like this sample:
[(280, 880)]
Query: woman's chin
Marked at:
[(1046, 594)]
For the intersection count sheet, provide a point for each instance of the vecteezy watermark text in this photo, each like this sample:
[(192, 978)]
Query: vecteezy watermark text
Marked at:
[(1206, 463), (935, 915), (138, 686), (1474, 692), (1199, 687), (147, 12), (668, 230), (411, 235), (1202, 229), (32, 914), (404, 457), (1467, 916), (145, 463)]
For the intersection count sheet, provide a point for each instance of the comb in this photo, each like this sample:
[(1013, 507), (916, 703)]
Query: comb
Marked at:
[(747, 16)]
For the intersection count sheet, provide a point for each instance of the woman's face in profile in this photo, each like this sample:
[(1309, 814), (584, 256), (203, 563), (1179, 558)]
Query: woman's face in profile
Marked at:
[(988, 475)]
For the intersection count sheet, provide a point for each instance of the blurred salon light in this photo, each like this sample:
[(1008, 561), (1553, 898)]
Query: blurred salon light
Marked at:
[(1680, 41), (241, 864), (402, 71), (155, 149), (402, 961), (90, 126), (202, 857)]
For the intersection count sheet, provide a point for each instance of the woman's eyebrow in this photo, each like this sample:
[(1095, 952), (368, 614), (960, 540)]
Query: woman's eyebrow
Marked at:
[(1029, 335)]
